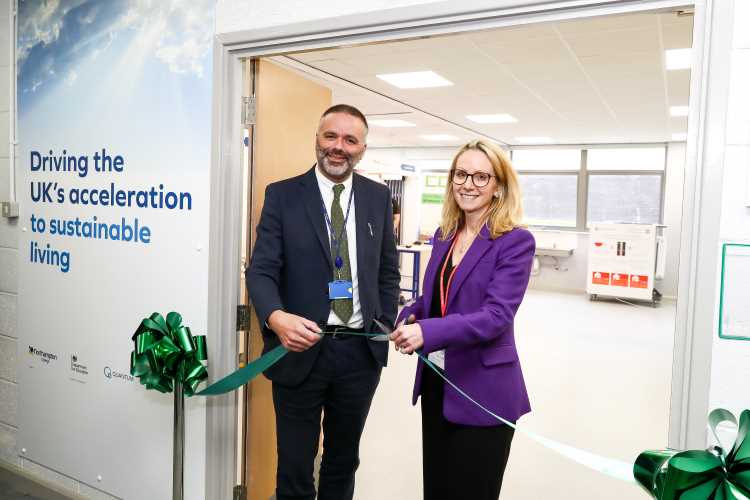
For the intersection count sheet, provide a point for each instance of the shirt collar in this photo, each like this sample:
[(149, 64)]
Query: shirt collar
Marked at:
[(326, 184)]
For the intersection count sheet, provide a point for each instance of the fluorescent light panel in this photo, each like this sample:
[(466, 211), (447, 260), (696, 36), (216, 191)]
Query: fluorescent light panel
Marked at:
[(678, 58), (415, 80), (497, 118), (391, 123), (438, 137), (678, 110)]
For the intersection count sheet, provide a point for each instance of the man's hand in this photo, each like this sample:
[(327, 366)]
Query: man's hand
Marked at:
[(295, 332)]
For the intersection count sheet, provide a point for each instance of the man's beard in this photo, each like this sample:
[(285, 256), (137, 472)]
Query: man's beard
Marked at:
[(340, 171)]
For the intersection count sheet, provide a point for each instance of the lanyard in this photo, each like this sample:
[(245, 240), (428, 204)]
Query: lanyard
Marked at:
[(336, 242), (444, 290)]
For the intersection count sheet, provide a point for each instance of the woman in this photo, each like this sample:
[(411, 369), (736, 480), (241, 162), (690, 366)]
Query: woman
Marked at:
[(474, 282)]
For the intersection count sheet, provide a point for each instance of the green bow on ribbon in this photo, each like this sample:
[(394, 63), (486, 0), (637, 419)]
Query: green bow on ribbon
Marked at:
[(700, 474), (165, 351)]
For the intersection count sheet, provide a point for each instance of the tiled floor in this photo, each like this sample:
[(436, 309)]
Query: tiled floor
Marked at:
[(598, 375)]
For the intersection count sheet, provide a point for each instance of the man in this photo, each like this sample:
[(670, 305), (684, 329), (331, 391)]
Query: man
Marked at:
[(325, 261)]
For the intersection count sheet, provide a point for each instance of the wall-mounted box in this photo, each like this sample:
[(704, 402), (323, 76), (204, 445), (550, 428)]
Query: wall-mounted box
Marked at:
[(9, 209)]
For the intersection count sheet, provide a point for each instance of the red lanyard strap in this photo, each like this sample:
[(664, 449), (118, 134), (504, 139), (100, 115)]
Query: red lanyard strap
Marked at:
[(445, 289)]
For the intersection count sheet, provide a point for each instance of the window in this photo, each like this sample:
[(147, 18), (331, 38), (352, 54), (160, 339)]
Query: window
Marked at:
[(549, 200), (549, 185), (626, 158), (625, 184), (574, 188), (624, 198), (547, 159)]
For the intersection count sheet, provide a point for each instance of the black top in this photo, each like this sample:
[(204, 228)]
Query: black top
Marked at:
[(435, 311)]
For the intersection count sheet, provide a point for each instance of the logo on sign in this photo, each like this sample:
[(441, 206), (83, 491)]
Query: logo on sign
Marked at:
[(77, 367), (111, 374), (45, 357)]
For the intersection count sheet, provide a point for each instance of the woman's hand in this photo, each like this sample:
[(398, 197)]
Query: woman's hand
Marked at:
[(407, 338)]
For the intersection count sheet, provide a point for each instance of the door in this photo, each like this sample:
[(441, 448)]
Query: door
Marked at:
[(280, 145)]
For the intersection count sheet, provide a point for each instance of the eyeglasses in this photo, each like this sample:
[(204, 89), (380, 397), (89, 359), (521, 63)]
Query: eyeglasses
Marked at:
[(479, 179)]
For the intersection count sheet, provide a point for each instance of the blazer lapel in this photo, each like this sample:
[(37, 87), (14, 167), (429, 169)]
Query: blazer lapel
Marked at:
[(314, 207), (439, 249), (363, 223), (478, 248)]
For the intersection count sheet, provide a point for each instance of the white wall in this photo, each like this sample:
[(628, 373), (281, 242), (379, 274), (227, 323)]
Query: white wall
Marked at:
[(241, 15), (8, 260), (730, 368)]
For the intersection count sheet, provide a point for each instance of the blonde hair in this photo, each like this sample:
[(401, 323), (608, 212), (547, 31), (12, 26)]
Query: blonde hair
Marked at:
[(505, 211)]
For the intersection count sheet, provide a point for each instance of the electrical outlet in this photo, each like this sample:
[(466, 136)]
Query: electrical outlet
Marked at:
[(9, 209)]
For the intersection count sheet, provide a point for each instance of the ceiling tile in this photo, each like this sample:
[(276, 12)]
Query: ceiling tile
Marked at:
[(676, 37), (619, 42), (616, 66), (601, 24)]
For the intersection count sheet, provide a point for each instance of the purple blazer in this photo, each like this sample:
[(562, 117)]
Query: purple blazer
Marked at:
[(477, 330)]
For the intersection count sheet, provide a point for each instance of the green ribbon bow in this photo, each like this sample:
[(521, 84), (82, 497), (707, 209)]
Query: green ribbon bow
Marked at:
[(166, 351), (700, 474)]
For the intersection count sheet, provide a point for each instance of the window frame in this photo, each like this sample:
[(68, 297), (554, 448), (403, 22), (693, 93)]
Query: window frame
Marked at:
[(584, 175)]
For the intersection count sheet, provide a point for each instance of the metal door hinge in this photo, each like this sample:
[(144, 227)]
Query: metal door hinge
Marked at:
[(243, 318), (239, 492), (248, 111)]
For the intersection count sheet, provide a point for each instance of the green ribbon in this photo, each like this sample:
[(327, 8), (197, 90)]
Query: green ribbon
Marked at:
[(258, 366), (246, 374), (156, 352), (166, 351), (700, 474)]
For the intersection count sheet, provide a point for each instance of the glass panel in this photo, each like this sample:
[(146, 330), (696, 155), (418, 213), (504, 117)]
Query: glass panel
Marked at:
[(624, 198), (652, 158), (547, 159), (549, 200)]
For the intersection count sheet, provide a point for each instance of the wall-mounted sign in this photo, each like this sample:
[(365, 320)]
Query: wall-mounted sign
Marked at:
[(114, 128)]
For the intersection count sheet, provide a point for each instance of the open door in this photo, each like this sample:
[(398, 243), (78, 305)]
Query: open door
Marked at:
[(280, 145)]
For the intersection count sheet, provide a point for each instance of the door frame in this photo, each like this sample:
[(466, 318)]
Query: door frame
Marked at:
[(701, 196)]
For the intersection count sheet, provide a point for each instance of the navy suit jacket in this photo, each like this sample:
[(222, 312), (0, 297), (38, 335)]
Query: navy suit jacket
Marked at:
[(291, 264)]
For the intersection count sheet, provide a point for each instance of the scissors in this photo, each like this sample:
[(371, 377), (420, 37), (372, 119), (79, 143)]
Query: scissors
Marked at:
[(383, 328)]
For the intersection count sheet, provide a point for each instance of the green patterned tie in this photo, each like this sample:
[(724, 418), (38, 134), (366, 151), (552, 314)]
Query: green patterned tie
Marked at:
[(342, 307)]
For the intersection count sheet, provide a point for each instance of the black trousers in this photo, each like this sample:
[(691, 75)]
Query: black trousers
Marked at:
[(341, 385), (459, 462)]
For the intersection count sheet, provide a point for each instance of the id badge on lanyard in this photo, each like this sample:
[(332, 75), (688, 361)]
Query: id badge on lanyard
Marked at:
[(339, 289)]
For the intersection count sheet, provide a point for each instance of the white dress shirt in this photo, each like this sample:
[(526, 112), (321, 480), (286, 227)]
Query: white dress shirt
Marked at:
[(326, 191)]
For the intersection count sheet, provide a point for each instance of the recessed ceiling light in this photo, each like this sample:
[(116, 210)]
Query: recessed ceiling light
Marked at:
[(534, 140), (391, 123), (415, 80), (678, 58), (499, 118), (679, 136), (678, 110), (438, 137)]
